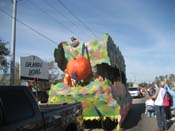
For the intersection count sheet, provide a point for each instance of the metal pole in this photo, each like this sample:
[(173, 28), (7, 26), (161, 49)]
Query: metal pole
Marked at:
[(13, 40)]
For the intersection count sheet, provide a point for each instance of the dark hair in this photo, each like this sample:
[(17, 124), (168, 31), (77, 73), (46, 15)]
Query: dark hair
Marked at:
[(151, 92)]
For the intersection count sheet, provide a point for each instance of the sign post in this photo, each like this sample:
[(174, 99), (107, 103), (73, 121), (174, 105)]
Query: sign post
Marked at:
[(32, 67)]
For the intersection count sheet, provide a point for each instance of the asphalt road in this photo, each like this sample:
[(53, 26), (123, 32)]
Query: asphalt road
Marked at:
[(136, 120)]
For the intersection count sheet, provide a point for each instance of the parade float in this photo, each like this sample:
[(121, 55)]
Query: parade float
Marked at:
[(95, 76)]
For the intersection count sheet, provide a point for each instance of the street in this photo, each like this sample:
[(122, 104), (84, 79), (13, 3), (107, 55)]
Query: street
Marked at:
[(137, 121)]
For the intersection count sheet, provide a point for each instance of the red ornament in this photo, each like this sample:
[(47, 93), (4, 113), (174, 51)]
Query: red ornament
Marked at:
[(78, 68)]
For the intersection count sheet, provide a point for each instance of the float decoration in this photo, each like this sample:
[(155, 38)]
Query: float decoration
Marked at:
[(78, 68), (101, 99)]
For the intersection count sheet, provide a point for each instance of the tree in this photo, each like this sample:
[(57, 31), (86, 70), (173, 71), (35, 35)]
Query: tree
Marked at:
[(144, 84), (17, 79), (170, 78), (4, 53), (54, 72), (4, 79)]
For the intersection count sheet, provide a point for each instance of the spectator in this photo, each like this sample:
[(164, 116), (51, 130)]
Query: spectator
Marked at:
[(159, 107), (172, 93), (149, 110), (167, 104), (29, 85), (151, 91)]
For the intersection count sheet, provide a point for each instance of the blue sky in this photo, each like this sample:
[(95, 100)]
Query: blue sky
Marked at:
[(144, 30)]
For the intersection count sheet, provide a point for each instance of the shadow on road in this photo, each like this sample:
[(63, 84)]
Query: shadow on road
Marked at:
[(132, 119), (92, 124), (134, 116), (171, 122), (107, 125)]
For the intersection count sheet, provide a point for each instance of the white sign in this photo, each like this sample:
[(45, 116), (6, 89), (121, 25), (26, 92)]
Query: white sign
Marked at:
[(32, 67)]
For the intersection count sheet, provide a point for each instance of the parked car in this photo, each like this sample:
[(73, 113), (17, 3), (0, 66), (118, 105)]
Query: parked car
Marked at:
[(135, 91), (19, 111)]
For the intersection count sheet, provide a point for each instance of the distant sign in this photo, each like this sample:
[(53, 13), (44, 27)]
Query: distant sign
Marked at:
[(32, 67), (135, 84)]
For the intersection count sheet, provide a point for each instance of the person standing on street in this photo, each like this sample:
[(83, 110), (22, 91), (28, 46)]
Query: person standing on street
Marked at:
[(167, 104), (29, 85), (159, 107), (172, 93)]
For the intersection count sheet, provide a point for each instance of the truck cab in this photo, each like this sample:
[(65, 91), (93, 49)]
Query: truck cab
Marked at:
[(19, 111)]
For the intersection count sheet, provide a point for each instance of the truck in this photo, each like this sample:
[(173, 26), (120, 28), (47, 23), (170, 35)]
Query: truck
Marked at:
[(19, 111), (95, 76)]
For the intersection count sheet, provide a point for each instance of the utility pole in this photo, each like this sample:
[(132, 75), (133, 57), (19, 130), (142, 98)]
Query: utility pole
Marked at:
[(13, 41)]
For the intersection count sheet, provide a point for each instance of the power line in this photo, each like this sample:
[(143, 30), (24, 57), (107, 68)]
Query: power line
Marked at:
[(46, 13), (60, 13), (31, 28), (77, 18)]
